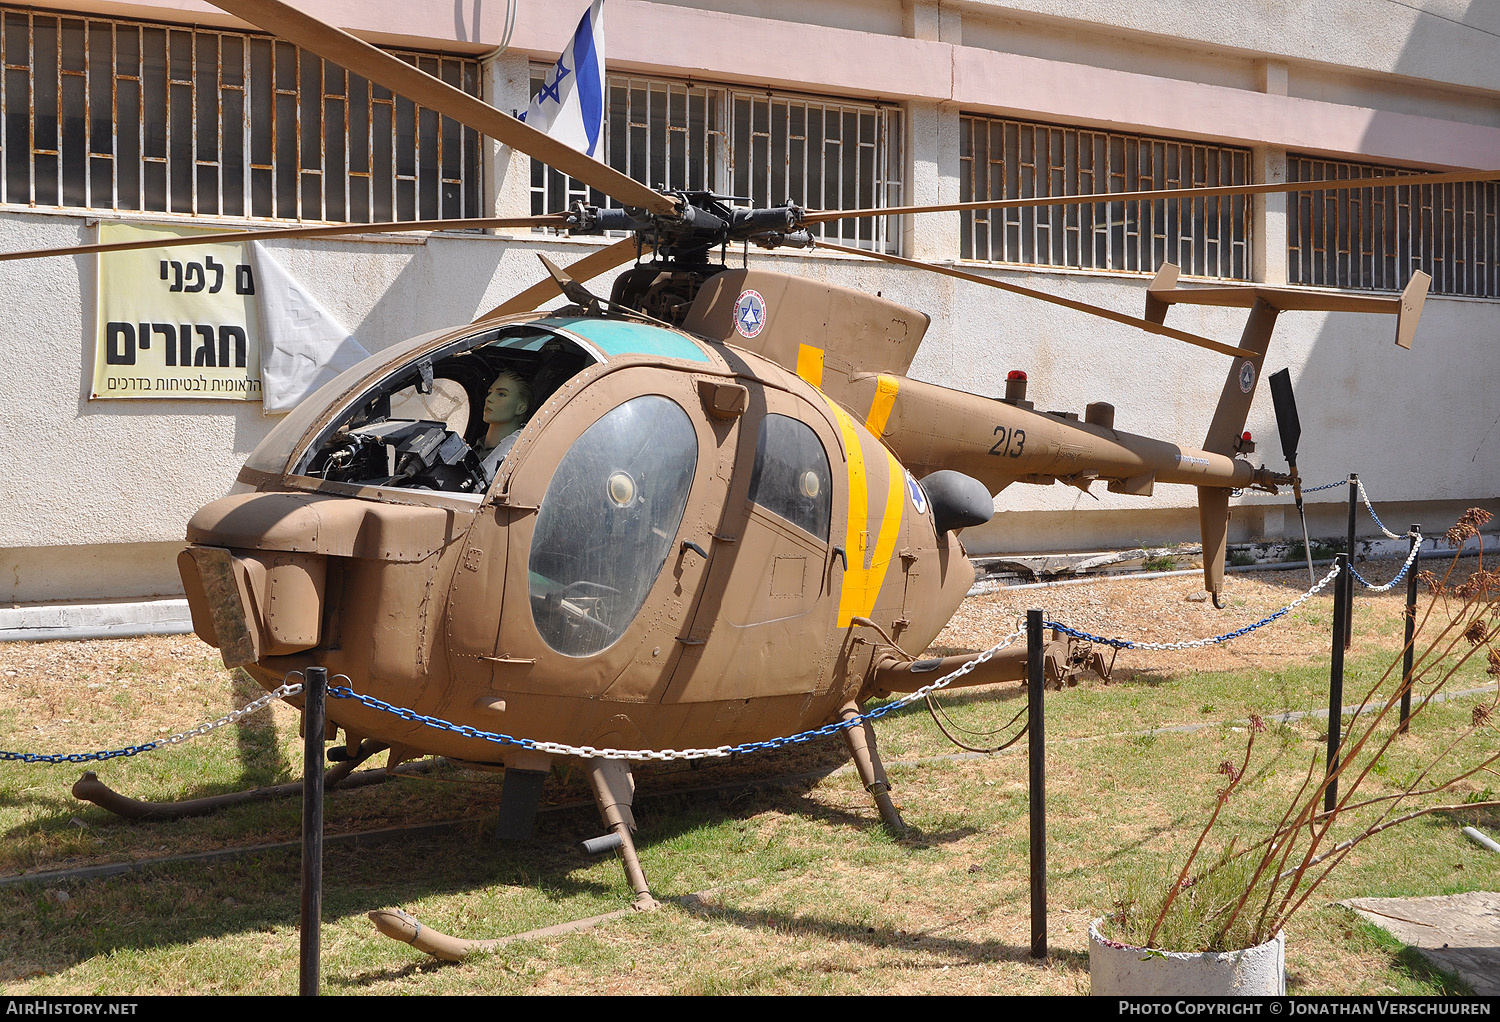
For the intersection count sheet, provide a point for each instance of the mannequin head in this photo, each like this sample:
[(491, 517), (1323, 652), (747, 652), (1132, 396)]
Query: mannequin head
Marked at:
[(506, 406)]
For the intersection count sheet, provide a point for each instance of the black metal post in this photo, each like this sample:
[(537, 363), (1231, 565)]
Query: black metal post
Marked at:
[(314, 717), (1036, 643), (1411, 624), (1336, 685), (1349, 576)]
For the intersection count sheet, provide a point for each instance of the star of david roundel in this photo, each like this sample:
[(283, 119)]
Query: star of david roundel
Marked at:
[(749, 313)]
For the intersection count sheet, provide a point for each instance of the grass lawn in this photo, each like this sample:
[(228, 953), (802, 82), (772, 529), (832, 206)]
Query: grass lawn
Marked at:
[(801, 888)]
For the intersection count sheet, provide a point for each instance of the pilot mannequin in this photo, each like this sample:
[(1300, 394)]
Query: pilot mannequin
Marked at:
[(505, 409)]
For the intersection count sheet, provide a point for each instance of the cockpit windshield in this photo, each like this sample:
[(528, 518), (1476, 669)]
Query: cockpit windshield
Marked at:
[(447, 420)]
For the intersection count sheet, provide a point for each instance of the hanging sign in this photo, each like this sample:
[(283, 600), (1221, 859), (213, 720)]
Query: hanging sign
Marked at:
[(175, 322)]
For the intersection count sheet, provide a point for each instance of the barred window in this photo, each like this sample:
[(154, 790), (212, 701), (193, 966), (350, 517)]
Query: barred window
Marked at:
[(761, 147), (115, 115), (1001, 158), (1376, 237)]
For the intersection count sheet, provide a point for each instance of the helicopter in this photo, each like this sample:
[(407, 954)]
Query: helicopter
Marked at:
[(727, 516)]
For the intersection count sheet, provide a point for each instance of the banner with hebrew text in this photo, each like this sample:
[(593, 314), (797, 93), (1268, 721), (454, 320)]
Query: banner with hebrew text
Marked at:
[(177, 322)]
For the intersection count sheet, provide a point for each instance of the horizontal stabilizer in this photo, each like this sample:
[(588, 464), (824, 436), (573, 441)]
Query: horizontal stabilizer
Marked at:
[(1406, 307)]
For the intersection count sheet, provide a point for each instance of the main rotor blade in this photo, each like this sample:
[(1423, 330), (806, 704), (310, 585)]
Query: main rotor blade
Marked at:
[(1335, 184), (326, 231), (334, 44), (1067, 303), (588, 267)]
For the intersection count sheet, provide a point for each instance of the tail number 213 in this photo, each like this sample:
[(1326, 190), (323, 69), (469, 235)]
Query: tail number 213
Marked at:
[(1008, 442)]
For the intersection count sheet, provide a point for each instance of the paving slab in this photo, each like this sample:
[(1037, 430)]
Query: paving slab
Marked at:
[(1458, 933)]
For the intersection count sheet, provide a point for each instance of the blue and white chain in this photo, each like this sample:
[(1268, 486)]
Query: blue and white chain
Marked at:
[(1411, 557), (645, 755), (1371, 508), (134, 750), (1364, 497), (1198, 643), (653, 755), (642, 755)]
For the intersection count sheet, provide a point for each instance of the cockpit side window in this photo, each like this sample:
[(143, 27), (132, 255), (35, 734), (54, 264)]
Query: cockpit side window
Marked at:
[(607, 522), (791, 477), (447, 402)]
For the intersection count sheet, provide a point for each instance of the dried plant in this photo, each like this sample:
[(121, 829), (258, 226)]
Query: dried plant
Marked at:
[(1260, 886)]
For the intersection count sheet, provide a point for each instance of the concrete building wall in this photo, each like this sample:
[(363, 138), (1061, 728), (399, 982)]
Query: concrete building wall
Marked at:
[(97, 493)]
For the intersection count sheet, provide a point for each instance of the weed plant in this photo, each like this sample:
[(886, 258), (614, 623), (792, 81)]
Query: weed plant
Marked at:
[(1251, 891)]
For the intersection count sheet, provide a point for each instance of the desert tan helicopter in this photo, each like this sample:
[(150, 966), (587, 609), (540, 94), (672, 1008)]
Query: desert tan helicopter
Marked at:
[(727, 515)]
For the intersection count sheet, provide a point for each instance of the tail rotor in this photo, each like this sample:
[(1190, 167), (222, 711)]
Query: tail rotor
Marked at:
[(1290, 428)]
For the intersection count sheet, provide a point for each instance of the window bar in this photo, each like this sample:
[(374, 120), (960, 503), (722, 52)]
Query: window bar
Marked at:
[(57, 98), (861, 188), (437, 151), (4, 109), (325, 122), (372, 102), (348, 155), (88, 119), (192, 84), (247, 153), (463, 205), (320, 99), (218, 162), (275, 130), (192, 132), (369, 174), (114, 115), (140, 93), (416, 145), (113, 157), (396, 177), (31, 98)]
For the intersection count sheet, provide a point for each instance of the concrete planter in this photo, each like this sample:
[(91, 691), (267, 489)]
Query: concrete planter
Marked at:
[(1121, 969)]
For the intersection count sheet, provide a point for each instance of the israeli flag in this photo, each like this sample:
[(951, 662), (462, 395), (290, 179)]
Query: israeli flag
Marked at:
[(570, 106)]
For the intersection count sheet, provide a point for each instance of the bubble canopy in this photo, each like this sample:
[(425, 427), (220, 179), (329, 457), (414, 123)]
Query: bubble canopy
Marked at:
[(545, 351)]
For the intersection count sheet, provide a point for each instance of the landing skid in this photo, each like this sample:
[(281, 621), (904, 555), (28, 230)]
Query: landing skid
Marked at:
[(400, 925), (89, 788), (614, 791)]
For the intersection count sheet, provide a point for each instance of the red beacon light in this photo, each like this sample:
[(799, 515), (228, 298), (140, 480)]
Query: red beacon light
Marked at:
[(1015, 386)]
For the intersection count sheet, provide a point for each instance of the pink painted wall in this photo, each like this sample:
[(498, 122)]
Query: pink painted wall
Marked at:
[(737, 48)]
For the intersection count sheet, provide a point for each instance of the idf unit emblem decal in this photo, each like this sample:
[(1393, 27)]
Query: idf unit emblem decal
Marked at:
[(917, 494), (749, 313)]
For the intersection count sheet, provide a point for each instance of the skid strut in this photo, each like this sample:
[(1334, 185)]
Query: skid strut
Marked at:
[(614, 789), (861, 739)]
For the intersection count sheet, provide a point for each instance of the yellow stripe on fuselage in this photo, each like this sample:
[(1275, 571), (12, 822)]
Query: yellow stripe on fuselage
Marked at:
[(885, 399), (867, 561), (810, 364)]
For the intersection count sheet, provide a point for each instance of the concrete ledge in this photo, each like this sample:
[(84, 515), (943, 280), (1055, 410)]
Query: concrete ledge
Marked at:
[(1042, 567), (94, 620)]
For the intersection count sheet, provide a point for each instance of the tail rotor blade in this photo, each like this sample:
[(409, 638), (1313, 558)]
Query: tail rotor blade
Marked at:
[(1290, 428), (1286, 414)]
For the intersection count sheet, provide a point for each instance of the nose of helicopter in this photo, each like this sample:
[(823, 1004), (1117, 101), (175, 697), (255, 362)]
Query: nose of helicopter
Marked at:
[(256, 566)]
